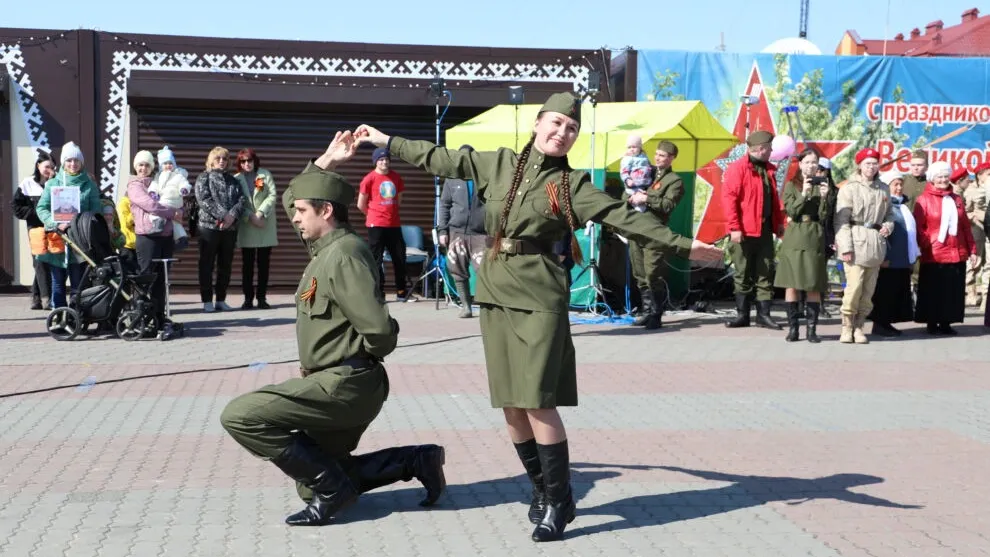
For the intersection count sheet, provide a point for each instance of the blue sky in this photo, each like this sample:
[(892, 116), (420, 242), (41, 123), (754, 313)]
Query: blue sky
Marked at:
[(580, 24)]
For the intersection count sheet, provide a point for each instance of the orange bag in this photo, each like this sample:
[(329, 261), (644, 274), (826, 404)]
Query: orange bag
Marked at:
[(39, 241), (55, 243)]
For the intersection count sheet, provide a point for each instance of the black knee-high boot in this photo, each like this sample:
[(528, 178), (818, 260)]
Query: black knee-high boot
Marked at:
[(530, 457), (332, 489), (555, 461), (814, 309), (387, 466), (792, 321)]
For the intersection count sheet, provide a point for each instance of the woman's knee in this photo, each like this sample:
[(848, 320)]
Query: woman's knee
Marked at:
[(515, 415)]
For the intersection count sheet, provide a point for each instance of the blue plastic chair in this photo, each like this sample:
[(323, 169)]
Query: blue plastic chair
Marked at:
[(415, 246)]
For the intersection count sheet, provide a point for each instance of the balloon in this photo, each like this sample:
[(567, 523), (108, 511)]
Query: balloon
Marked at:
[(782, 147)]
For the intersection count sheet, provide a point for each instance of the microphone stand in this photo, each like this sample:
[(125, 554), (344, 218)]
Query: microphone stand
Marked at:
[(438, 92), (594, 273)]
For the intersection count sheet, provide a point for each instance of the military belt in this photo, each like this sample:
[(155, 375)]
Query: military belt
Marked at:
[(516, 247), (870, 225), (356, 363)]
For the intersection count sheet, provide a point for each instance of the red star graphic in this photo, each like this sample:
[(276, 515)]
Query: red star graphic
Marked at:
[(713, 223)]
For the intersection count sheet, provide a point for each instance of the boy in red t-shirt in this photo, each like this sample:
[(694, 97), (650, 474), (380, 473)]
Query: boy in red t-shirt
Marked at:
[(381, 190)]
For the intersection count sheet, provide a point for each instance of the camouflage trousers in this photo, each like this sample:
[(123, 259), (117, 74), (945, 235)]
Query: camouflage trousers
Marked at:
[(464, 253)]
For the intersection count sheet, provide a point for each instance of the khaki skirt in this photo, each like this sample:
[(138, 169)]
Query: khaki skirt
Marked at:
[(805, 270), (530, 358)]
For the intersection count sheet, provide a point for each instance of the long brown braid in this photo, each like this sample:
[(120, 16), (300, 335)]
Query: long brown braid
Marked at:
[(565, 189), (503, 220)]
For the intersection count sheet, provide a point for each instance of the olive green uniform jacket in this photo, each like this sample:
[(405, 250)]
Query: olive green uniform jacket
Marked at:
[(802, 261), (524, 297), (343, 331), (913, 187), (661, 200)]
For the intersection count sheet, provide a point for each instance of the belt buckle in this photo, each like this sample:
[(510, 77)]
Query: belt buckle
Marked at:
[(805, 218), (869, 224), (508, 246)]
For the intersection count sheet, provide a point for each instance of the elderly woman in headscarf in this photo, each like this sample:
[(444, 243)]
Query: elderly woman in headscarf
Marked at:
[(946, 242), (892, 302)]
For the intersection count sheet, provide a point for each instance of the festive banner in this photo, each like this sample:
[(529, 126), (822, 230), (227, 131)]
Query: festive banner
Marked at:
[(836, 104)]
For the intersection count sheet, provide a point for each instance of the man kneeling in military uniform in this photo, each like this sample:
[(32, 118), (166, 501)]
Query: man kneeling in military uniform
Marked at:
[(308, 426)]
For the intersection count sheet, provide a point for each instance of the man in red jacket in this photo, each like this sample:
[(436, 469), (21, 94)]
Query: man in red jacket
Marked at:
[(754, 214)]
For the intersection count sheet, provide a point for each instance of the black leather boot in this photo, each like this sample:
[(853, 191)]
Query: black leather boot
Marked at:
[(792, 321), (555, 461), (387, 466), (332, 489), (646, 310), (763, 318), (658, 302), (742, 312), (530, 458), (814, 309)]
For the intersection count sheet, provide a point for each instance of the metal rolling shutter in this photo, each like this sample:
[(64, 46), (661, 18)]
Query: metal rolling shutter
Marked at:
[(285, 141)]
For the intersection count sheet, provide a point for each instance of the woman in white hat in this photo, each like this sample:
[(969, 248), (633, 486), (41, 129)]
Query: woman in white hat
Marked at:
[(63, 262), (946, 242)]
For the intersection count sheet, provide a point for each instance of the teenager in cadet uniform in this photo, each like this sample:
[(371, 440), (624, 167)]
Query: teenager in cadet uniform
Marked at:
[(754, 215), (915, 180), (532, 198), (308, 426), (863, 221), (647, 264)]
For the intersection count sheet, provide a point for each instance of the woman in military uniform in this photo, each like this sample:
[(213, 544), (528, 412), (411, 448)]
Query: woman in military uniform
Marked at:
[(532, 199), (803, 265)]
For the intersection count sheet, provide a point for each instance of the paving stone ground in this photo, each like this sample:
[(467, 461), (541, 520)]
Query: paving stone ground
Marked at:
[(695, 440)]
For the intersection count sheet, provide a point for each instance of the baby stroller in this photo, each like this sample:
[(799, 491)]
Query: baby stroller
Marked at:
[(110, 295)]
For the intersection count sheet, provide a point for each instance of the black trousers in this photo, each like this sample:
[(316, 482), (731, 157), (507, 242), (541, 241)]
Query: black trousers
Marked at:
[(148, 249), (41, 288), (390, 239), (128, 259), (264, 256), (216, 247)]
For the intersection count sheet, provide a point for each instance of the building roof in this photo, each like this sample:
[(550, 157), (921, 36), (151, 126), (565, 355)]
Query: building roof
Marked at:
[(971, 37)]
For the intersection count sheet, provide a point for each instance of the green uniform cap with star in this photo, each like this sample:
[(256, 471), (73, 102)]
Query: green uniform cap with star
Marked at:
[(564, 103), (759, 138), (323, 185)]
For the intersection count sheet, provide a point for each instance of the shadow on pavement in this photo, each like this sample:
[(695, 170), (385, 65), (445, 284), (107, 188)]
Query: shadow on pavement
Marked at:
[(638, 511)]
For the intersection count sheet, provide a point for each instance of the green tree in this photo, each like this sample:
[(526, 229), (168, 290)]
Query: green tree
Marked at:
[(664, 84)]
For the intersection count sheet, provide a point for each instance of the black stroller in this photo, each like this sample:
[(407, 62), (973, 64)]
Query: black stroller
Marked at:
[(110, 294)]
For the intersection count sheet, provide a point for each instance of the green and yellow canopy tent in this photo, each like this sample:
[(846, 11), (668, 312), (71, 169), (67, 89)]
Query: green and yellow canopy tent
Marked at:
[(698, 136)]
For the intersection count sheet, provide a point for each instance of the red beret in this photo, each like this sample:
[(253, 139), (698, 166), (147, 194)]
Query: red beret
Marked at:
[(959, 174), (981, 168), (867, 153)]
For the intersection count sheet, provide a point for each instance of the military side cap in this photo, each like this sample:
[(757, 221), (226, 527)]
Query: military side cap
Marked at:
[(668, 147), (759, 138), (564, 103), (323, 185)]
